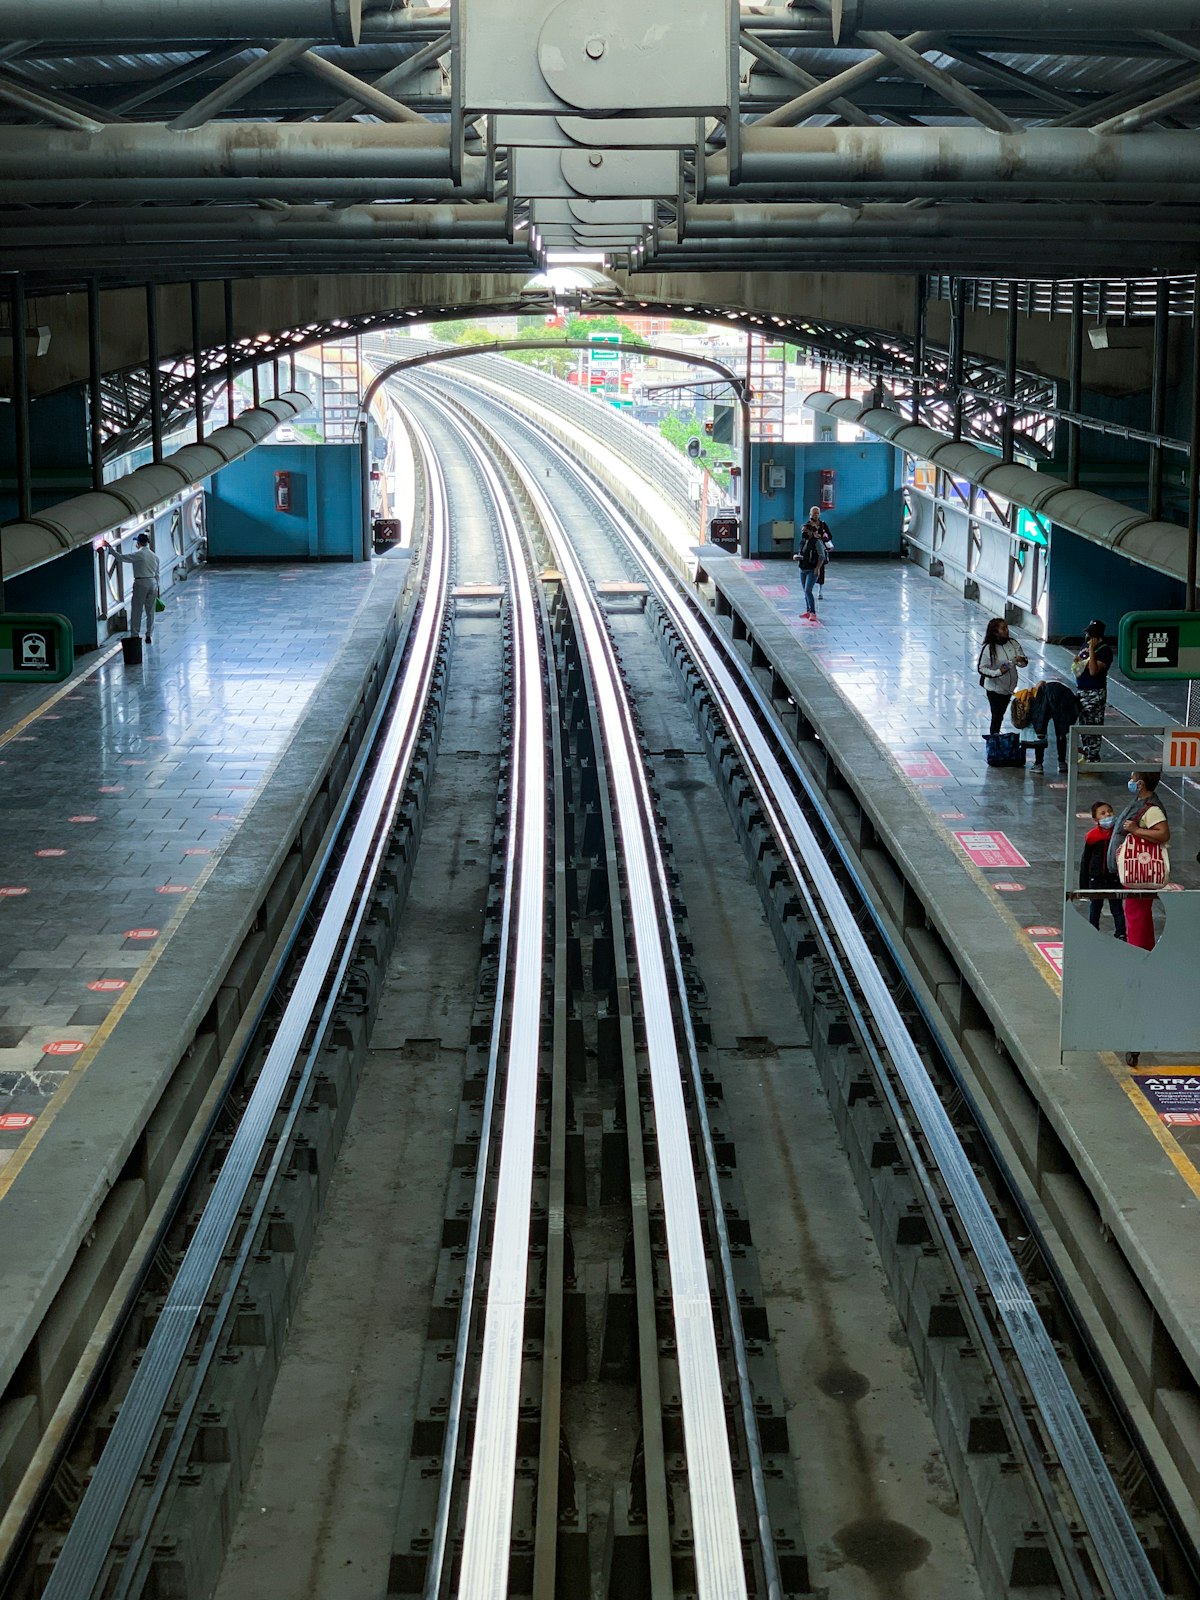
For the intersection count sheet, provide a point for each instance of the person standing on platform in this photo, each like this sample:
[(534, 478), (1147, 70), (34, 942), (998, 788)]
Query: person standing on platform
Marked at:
[(816, 524), (999, 658), (1143, 819), (809, 558), (1090, 667), (1094, 871), (144, 596)]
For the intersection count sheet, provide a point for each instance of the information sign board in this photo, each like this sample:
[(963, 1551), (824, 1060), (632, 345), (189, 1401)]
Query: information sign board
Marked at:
[(1159, 644), (35, 647)]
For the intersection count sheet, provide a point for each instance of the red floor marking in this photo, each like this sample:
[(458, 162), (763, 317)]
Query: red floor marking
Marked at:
[(108, 985), (173, 888), (198, 850), (1046, 932), (1056, 786), (83, 817), (952, 816), (141, 933), (49, 852), (112, 788), (14, 1121), (63, 1047), (987, 848), (922, 764), (133, 761), (13, 889), (224, 816), (1009, 888), (1051, 951)]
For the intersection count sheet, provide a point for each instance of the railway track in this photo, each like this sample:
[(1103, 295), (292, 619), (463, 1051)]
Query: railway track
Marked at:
[(589, 1039)]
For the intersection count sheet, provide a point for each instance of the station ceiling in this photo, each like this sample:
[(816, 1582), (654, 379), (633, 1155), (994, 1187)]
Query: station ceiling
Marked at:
[(154, 140)]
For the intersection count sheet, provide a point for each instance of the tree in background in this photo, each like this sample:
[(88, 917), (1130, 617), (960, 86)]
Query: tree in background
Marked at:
[(679, 430)]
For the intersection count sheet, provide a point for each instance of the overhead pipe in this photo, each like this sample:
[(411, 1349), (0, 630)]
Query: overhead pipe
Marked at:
[(926, 160), (818, 219), (260, 151), (134, 225), (116, 191), (150, 22), (1034, 17)]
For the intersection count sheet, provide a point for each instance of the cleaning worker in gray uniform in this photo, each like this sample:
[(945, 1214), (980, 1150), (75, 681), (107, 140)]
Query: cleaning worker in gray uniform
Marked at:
[(145, 583)]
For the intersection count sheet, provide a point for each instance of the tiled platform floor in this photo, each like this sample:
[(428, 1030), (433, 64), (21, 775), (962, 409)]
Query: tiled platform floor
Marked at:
[(901, 647), (119, 794)]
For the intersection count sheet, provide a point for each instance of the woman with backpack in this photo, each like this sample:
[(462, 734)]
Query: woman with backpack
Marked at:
[(810, 558), (999, 657)]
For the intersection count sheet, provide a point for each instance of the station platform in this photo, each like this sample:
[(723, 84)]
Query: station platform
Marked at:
[(887, 673), (146, 810)]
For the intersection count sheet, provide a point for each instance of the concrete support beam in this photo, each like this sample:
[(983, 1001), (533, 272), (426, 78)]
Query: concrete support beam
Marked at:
[(135, 226), (136, 21)]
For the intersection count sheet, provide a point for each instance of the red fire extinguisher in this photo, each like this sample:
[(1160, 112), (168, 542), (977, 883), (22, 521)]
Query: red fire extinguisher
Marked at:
[(826, 489), (283, 491)]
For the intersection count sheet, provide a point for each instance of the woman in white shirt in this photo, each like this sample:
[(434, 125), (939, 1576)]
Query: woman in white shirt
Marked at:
[(999, 658)]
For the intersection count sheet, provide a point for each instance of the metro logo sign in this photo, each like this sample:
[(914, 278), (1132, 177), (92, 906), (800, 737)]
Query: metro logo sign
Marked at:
[(1181, 750), (1159, 644)]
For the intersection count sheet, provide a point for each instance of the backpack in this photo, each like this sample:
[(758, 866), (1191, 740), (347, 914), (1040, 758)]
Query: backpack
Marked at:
[(809, 556)]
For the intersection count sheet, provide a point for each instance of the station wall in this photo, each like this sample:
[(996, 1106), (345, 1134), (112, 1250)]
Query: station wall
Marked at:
[(325, 521), (1087, 581), (867, 513)]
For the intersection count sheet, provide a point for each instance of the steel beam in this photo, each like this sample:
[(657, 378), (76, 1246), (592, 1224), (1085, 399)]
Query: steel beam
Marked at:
[(135, 225), (820, 98), (256, 150), (147, 22), (1034, 17), (95, 392), (1191, 597), (926, 160), (998, 219)]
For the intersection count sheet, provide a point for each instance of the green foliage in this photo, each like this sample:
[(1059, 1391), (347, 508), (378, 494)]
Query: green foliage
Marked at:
[(678, 431)]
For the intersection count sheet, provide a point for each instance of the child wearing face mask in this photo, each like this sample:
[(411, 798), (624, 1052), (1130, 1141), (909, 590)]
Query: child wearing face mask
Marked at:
[(1094, 871)]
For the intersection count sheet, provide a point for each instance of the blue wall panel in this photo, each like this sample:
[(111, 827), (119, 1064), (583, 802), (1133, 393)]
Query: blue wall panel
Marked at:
[(1089, 582), (866, 518), (66, 585), (325, 522)]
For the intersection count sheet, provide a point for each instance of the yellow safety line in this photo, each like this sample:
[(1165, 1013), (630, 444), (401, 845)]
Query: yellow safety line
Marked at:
[(63, 689)]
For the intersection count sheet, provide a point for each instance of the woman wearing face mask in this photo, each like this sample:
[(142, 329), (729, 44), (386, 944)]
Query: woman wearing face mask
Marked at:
[(1094, 870), (1143, 818)]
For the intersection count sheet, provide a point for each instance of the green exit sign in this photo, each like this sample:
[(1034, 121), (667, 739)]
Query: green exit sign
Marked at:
[(35, 648), (1160, 644)]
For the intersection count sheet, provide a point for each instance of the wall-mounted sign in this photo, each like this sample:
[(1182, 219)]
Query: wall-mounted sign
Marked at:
[(1160, 644), (35, 648)]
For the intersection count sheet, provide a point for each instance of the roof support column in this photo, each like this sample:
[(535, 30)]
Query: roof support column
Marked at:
[(1008, 416), (920, 323), (1075, 384), (197, 363), (153, 372), (1158, 392), (958, 334), (229, 349), (20, 361), (1192, 598), (95, 394)]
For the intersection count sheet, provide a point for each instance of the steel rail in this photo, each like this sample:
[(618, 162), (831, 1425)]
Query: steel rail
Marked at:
[(773, 1583), (492, 1477), (720, 1570), (1124, 1561), (81, 1562)]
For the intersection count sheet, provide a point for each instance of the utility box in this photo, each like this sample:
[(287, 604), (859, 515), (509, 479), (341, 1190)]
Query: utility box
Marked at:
[(783, 534)]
